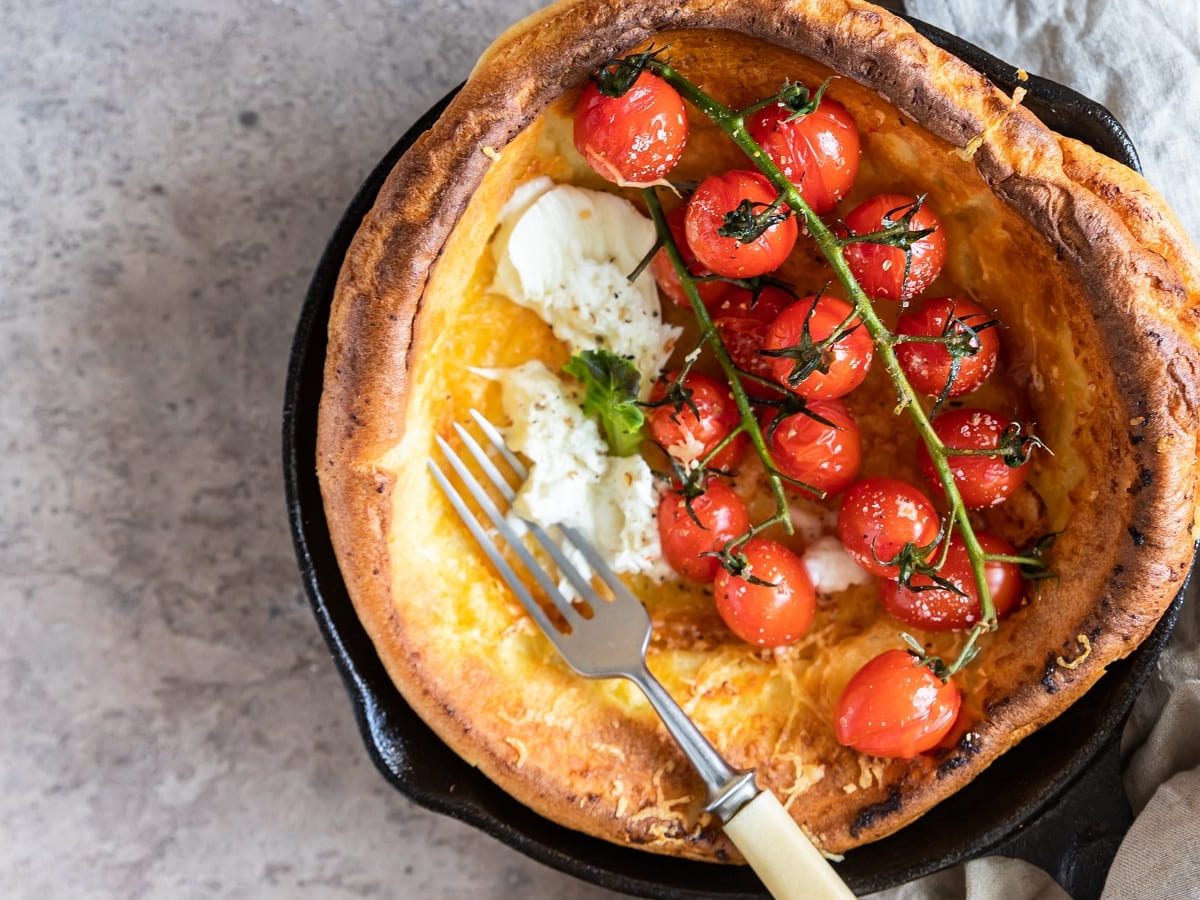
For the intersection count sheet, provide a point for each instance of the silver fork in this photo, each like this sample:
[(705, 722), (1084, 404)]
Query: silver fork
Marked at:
[(610, 641)]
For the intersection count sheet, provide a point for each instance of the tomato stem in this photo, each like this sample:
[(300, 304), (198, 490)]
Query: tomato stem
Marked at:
[(1016, 560), (709, 335), (645, 261), (712, 454), (733, 124), (926, 339), (969, 650), (765, 382), (780, 517)]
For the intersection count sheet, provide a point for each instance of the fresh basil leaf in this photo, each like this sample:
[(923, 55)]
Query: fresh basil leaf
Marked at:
[(610, 397)]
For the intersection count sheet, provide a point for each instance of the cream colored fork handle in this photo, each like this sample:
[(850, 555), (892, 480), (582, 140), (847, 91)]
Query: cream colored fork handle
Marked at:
[(781, 854)]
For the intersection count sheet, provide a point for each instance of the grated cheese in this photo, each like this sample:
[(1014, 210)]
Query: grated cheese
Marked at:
[(968, 152), (522, 750), (1086, 646)]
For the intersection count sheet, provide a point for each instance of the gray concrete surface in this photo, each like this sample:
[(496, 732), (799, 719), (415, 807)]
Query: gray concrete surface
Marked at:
[(172, 725)]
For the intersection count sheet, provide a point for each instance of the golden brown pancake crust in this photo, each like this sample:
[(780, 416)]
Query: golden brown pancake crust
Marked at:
[(1114, 239)]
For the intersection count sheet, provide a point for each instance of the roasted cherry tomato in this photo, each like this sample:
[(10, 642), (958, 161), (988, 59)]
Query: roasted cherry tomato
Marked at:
[(895, 707), (845, 362), (982, 481), (722, 517), (717, 195), (634, 139), (690, 432), (711, 292), (819, 151), (879, 268), (742, 325), (771, 614), (938, 609), (765, 308), (928, 365), (878, 517), (821, 456)]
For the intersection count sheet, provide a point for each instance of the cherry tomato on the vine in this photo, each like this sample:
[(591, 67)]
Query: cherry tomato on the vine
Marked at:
[(711, 292), (982, 481), (773, 613), (718, 195), (895, 707), (690, 432), (880, 268), (938, 609), (834, 370), (878, 517), (821, 456), (634, 139), (819, 151), (769, 303), (928, 365), (742, 325), (722, 517)]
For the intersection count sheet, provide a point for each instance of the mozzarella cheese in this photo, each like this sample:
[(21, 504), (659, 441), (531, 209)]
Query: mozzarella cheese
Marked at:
[(572, 480), (627, 518), (830, 568), (568, 455), (565, 253), (810, 520)]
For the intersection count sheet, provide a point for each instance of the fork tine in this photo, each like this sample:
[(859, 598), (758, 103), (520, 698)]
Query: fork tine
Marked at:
[(485, 462), (489, 549), (598, 565), (581, 584), (497, 439), (485, 502), (594, 560)]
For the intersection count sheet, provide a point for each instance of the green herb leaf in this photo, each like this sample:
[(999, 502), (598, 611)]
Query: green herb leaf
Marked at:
[(610, 397)]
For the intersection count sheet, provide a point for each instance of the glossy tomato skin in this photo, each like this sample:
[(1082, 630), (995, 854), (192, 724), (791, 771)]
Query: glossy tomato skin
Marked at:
[(722, 516), (928, 365), (717, 195), (880, 269), (771, 301), (634, 139), (849, 359), (938, 609), (983, 481), (711, 292), (688, 437), (895, 707), (810, 451), (818, 152), (743, 329), (878, 517), (771, 615)]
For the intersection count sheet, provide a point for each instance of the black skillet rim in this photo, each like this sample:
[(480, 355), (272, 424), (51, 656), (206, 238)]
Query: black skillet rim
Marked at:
[(419, 765)]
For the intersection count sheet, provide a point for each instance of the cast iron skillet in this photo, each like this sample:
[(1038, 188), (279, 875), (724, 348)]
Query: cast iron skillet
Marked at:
[(1055, 799)]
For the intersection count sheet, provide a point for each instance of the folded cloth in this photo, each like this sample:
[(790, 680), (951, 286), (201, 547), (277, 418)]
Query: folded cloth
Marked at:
[(1141, 59)]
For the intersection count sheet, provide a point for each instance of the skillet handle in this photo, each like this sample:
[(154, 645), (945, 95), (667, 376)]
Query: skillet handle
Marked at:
[(1076, 839), (781, 855)]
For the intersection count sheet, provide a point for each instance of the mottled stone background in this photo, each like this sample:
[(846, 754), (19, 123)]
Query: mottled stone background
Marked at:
[(172, 725)]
